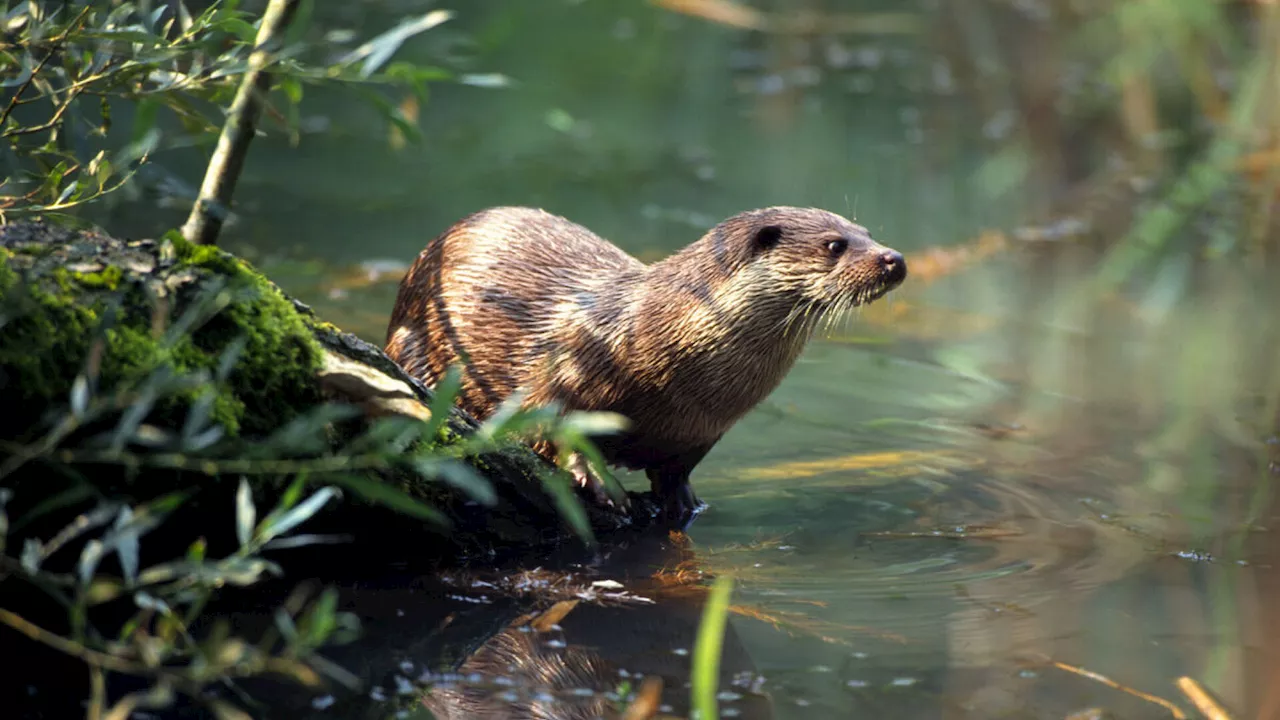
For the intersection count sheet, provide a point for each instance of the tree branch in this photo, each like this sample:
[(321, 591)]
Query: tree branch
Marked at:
[(211, 206)]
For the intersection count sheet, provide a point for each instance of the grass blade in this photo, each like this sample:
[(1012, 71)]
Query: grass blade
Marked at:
[(706, 655)]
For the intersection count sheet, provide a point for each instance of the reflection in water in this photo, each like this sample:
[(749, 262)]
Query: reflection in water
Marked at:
[(581, 661)]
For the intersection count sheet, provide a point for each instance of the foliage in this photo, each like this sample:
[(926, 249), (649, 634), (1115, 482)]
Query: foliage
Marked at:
[(71, 68), (141, 420), (300, 466)]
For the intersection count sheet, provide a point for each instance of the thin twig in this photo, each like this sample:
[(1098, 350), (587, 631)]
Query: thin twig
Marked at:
[(51, 123), (210, 208), (1202, 700), (1097, 677), (97, 692), (13, 101), (70, 647)]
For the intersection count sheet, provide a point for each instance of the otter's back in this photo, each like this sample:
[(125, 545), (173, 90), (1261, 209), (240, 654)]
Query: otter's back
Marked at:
[(485, 294)]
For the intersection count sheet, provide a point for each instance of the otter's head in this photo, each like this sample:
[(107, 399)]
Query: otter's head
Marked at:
[(816, 260)]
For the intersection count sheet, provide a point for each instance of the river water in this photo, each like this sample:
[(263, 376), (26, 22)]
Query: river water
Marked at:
[(971, 479)]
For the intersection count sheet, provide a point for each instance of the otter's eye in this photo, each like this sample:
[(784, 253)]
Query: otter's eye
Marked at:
[(835, 247)]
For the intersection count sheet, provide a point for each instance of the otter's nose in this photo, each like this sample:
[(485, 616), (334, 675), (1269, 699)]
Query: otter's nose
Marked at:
[(893, 265)]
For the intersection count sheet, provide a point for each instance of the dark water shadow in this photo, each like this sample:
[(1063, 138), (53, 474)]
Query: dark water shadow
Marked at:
[(566, 637)]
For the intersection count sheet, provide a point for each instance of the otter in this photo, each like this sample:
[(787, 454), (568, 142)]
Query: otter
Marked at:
[(524, 300)]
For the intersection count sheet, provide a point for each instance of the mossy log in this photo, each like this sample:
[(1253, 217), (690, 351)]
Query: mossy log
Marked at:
[(82, 310)]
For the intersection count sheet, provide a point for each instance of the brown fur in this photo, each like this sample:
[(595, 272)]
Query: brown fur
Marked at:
[(683, 347)]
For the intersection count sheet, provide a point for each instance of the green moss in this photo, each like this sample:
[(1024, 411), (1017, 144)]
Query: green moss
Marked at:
[(108, 279), (277, 368), (57, 317)]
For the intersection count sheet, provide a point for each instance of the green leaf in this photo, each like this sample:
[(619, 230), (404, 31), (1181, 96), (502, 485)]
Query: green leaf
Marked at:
[(446, 392), (299, 514), (90, 556), (457, 474), (291, 494), (197, 419), (134, 415), (125, 536), (706, 654), (195, 552), (229, 357), (566, 501), (379, 50), (392, 497), (245, 32), (292, 89), (320, 620), (388, 435), (595, 423), (306, 434), (246, 513)]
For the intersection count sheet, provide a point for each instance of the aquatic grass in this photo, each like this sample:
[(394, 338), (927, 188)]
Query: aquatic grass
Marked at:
[(706, 654)]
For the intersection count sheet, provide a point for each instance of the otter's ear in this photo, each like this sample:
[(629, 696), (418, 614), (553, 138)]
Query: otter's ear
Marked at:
[(766, 237)]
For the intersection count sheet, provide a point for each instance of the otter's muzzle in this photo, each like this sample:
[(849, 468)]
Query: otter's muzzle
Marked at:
[(893, 268)]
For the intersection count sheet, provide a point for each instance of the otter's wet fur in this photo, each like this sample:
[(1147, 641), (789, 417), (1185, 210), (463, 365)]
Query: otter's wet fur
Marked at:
[(526, 300)]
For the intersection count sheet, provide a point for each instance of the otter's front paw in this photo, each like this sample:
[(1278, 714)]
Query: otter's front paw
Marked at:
[(594, 486)]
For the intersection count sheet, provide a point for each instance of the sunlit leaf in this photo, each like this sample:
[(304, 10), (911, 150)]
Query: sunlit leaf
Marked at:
[(595, 423), (124, 539), (246, 513), (487, 80), (147, 601), (79, 396), (32, 555), (294, 541), (298, 514), (379, 50), (90, 556)]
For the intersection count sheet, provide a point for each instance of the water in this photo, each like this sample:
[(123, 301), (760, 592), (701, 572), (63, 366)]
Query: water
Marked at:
[(1098, 477)]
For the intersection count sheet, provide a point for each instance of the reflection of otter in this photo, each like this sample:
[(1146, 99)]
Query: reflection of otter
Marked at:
[(541, 678), (683, 348), (527, 673)]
